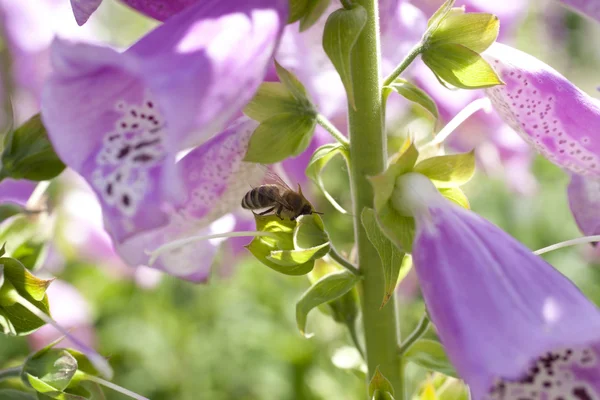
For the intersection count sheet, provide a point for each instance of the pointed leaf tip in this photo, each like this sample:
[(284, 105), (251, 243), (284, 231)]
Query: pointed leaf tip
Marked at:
[(342, 29)]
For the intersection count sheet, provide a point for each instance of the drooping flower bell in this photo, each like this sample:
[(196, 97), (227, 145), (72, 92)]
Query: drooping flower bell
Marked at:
[(555, 117), (120, 120), (512, 325)]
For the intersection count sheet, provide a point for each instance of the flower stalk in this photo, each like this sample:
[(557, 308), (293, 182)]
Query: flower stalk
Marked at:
[(419, 331), (412, 54), (333, 131), (368, 158)]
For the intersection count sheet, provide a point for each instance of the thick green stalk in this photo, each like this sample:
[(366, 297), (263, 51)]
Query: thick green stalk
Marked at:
[(368, 158)]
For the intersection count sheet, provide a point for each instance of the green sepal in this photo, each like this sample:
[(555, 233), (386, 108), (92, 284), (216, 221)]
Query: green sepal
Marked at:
[(26, 237), (475, 31), (399, 228), (313, 12), (28, 153), (391, 256), (440, 14), (448, 171), (8, 210), (2, 252), (326, 289), (18, 284), (460, 66), (342, 29), (293, 85), (10, 394), (280, 137), (379, 386), (413, 93), (383, 185), (430, 354), (271, 99), (292, 258), (456, 195)]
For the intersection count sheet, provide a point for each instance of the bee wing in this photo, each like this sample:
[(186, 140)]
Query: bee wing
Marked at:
[(271, 178)]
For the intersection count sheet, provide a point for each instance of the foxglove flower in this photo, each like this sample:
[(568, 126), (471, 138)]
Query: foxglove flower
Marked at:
[(137, 113), (548, 111), (512, 325)]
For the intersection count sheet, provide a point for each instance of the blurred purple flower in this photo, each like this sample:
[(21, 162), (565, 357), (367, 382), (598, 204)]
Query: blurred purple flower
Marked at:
[(71, 311), (588, 8), (584, 200), (15, 191), (548, 111), (529, 332), (172, 90), (160, 9)]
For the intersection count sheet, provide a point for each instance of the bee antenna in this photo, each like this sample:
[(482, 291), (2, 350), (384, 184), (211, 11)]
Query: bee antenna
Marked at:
[(317, 212)]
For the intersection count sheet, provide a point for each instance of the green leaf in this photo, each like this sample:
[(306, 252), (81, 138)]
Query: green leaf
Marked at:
[(390, 254), (297, 9), (292, 84), (28, 153), (19, 284), (46, 391), (54, 367), (460, 67), (26, 238), (2, 252), (313, 12), (310, 232), (289, 258), (415, 94), (440, 13), (326, 289), (262, 247), (448, 171), (8, 210), (10, 394), (456, 195), (475, 31), (380, 384), (430, 354), (342, 29), (280, 137)]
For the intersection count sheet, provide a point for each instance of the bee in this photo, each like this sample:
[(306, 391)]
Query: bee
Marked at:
[(279, 198)]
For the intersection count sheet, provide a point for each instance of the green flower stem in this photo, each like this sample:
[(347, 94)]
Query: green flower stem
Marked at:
[(414, 52), (337, 257), (368, 157), (114, 387), (329, 127), (415, 335), (11, 372)]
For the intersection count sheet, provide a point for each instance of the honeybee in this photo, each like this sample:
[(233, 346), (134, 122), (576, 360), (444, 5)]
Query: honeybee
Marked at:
[(279, 198)]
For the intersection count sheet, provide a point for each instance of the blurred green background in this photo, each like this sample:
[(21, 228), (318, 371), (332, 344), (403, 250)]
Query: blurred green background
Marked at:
[(236, 337)]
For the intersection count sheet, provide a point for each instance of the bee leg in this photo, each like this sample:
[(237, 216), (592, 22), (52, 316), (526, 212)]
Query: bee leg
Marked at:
[(279, 210), (265, 212)]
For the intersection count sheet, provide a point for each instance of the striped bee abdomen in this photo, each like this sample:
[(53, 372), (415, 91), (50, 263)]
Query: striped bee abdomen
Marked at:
[(261, 197)]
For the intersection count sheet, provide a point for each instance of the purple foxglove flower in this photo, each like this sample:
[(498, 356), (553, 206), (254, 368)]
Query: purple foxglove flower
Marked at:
[(584, 200), (548, 111), (18, 192), (512, 325), (82, 9), (588, 8), (160, 9), (215, 179)]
